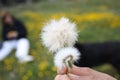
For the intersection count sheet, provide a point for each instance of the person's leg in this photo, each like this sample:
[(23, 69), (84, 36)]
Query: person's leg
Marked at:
[(22, 52), (6, 49)]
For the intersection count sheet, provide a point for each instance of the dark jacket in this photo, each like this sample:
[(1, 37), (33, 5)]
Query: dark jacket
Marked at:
[(17, 26)]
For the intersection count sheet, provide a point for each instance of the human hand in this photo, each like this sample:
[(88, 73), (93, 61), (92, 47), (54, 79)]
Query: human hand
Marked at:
[(12, 34), (84, 73), (62, 77)]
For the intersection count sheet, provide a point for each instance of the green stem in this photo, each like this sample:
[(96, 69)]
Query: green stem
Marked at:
[(69, 63)]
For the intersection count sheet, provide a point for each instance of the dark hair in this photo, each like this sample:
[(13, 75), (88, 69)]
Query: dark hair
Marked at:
[(4, 17)]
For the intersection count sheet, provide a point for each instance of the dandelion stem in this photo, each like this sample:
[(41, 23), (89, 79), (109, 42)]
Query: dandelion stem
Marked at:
[(69, 63)]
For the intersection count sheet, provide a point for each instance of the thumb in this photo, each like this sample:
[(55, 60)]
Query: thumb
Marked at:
[(62, 77), (64, 70)]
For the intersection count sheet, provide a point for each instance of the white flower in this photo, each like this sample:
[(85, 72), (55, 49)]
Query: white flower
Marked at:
[(63, 54), (58, 34)]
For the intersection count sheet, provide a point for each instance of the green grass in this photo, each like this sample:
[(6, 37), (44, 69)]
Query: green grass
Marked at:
[(95, 31), (71, 6)]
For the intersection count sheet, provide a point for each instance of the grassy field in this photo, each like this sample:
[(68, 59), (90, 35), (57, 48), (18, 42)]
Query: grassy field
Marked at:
[(97, 21)]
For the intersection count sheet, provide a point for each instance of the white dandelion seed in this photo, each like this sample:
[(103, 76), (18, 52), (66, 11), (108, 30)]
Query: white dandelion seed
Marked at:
[(63, 56), (58, 34)]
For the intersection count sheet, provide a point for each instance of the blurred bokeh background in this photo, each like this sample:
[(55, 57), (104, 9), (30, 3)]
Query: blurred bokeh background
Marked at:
[(97, 21)]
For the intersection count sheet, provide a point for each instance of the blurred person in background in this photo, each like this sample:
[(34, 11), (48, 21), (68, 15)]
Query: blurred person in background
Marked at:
[(14, 36)]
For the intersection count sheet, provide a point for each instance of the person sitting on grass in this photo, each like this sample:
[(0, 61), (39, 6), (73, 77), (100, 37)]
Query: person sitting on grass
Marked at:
[(14, 36)]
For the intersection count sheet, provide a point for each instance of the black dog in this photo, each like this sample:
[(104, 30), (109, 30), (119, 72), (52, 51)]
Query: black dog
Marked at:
[(93, 54)]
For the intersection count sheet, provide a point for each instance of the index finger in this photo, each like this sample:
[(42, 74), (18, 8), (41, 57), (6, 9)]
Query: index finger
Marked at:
[(81, 71)]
